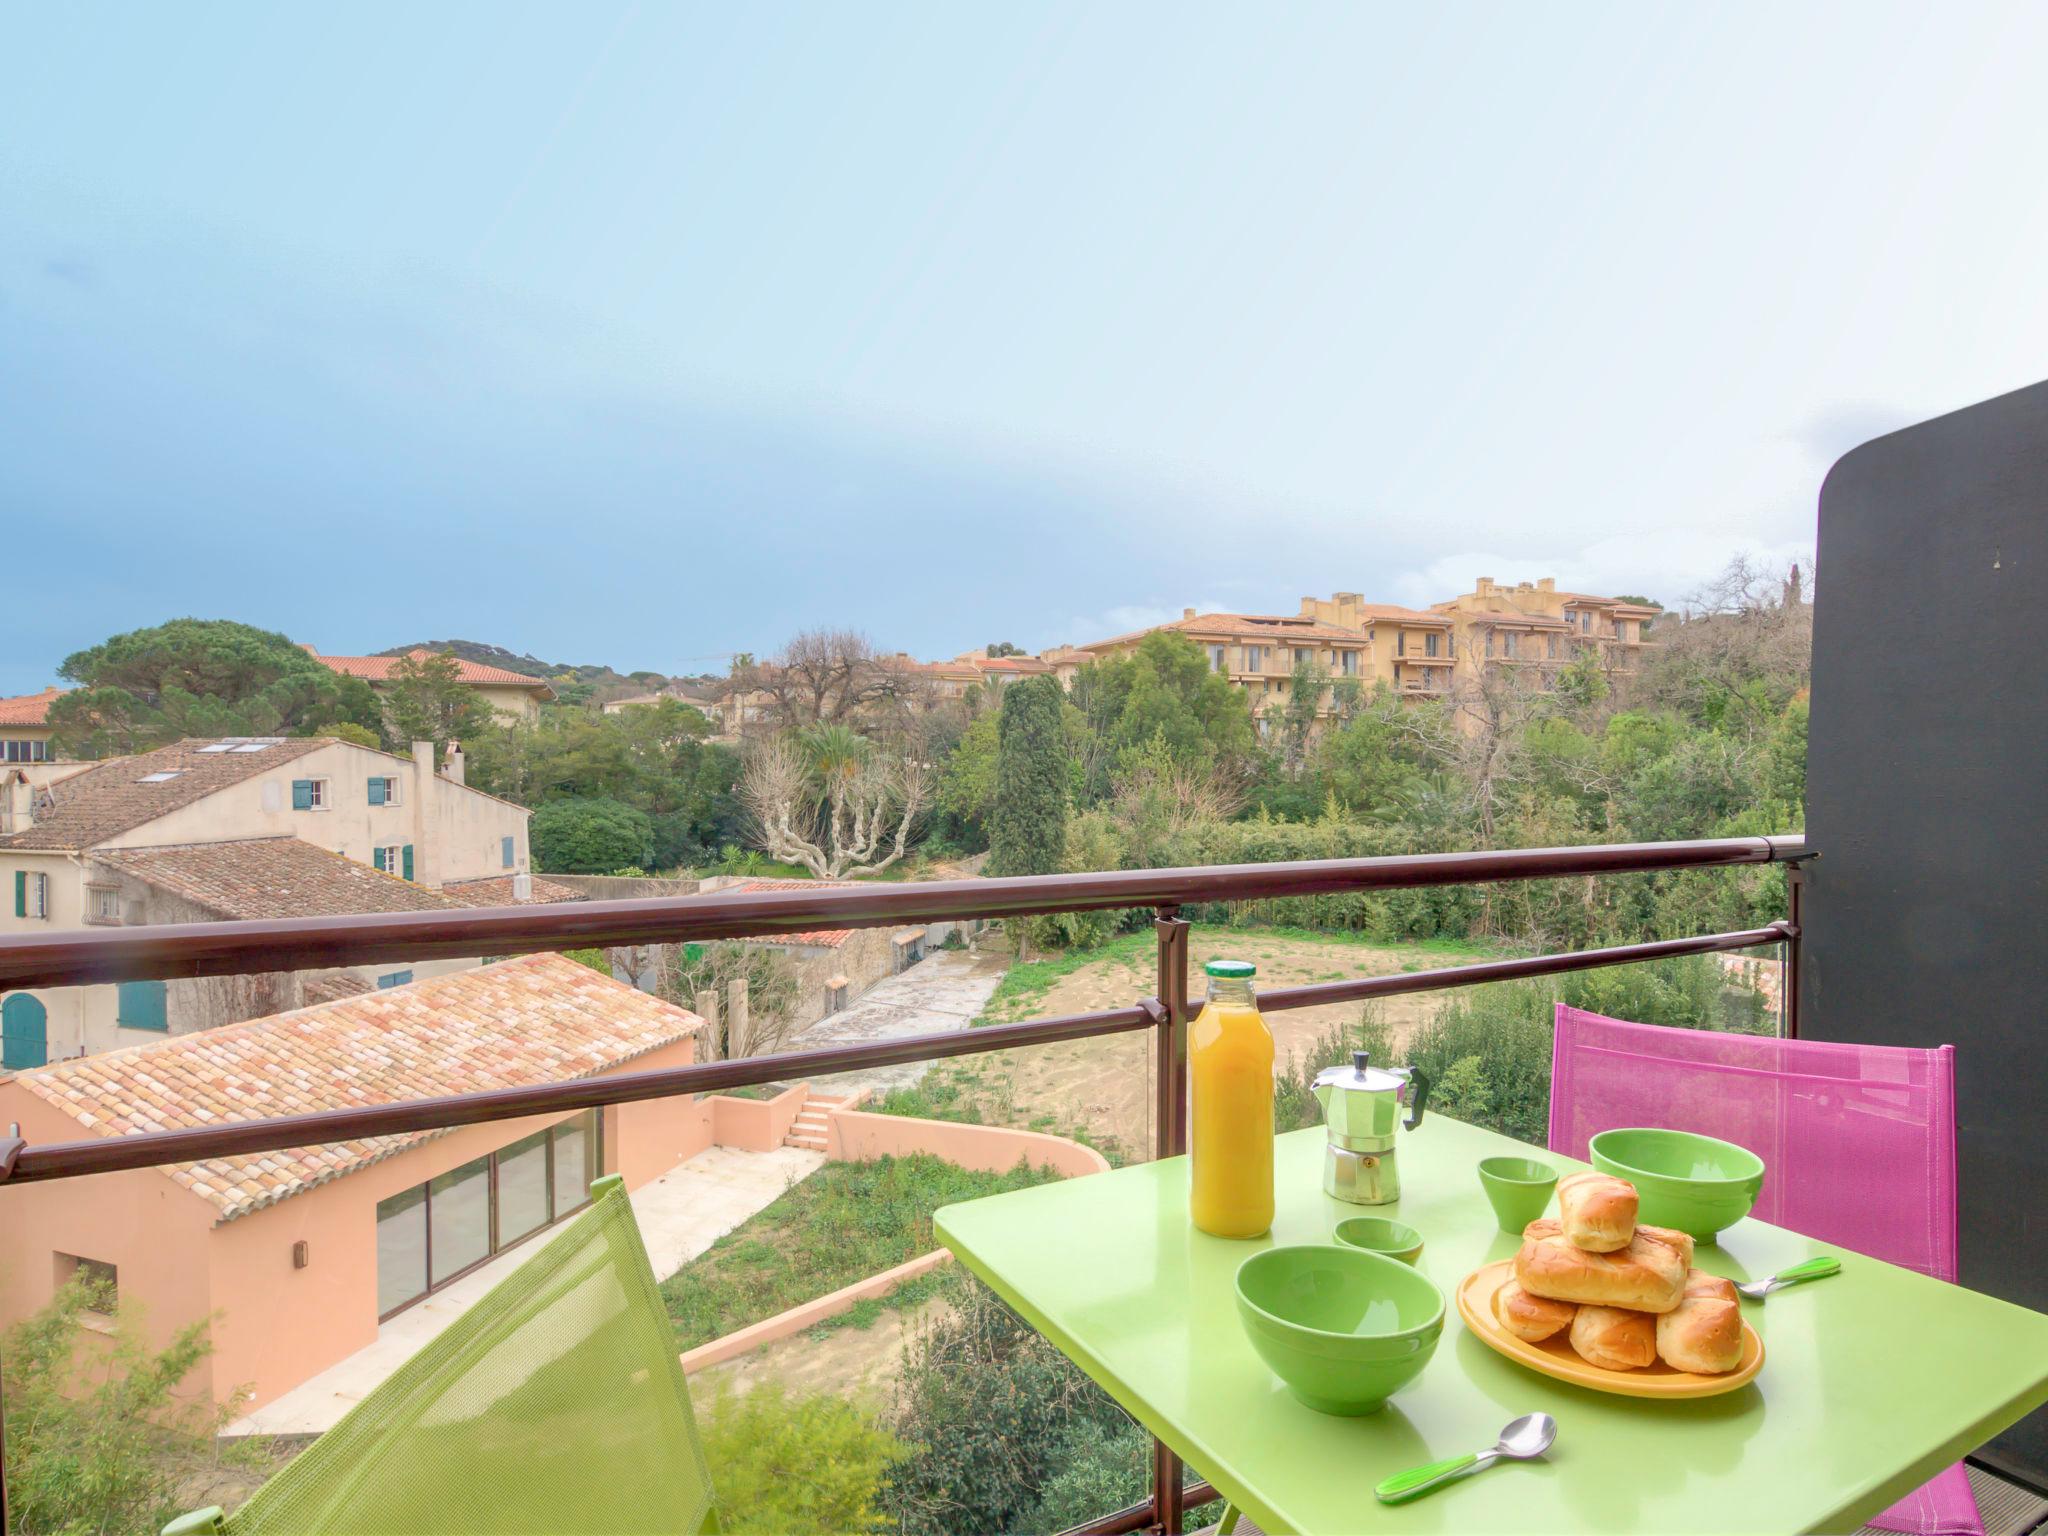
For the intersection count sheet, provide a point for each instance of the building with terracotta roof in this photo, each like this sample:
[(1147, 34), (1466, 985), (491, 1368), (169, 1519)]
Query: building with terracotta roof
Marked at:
[(1258, 652), (298, 1255), (511, 695), (1535, 628), (25, 728), (205, 831)]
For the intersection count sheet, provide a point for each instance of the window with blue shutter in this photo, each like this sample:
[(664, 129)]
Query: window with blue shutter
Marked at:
[(21, 893), (302, 794), (377, 791), (505, 851), (408, 861), (142, 1005), (394, 979)]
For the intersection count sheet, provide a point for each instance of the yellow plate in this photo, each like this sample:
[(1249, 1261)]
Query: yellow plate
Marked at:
[(1555, 1356)]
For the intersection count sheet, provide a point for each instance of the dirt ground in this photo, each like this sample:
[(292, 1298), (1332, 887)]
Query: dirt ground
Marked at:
[(843, 1362), (1104, 1086)]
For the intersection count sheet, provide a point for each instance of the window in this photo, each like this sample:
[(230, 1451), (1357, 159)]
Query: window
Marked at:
[(1255, 658), (142, 1005), (31, 894), (1304, 657), (384, 791), (311, 795), (394, 859), (505, 851), (160, 778), (1509, 643), (1216, 658), (435, 1232), (1401, 642), (393, 979), (1431, 643), (1349, 662), (1550, 646), (1586, 620), (101, 1279), (103, 904), (23, 751)]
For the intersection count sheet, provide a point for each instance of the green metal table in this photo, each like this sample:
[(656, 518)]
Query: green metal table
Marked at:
[(1872, 1381)]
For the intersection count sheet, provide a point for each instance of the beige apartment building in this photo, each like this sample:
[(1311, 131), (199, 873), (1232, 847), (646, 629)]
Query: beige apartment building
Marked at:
[(1533, 626), (25, 728), (1258, 653), (238, 828), (1413, 651), (511, 695)]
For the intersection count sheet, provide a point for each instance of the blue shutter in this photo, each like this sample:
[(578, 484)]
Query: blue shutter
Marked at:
[(24, 1033), (302, 794), (377, 791), (21, 893), (142, 1005), (394, 979), (377, 858), (408, 860), (505, 851)]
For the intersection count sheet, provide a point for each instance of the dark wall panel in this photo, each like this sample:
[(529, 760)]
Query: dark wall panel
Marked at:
[(1926, 915)]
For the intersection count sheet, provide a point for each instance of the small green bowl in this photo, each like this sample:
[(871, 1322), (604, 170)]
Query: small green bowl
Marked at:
[(1518, 1189), (1694, 1183), (1343, 1328), (1376, 1234)]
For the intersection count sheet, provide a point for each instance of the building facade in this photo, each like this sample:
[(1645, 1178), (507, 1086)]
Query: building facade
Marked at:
[(297, 1257), (25, 729), (510, 695), (239, 828), (1257, 654)]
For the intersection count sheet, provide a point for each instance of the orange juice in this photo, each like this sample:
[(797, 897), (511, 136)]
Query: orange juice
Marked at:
[(1230, 1138)]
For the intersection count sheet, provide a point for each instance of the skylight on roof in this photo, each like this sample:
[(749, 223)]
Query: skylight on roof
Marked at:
[(159, 778), (219, 746), (258, 744)]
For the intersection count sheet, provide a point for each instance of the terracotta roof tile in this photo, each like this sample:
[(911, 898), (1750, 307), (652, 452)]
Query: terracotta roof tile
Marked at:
[(377, 669), (29, 708), (496, 891), (103, 802), (537, 1019), (822, 938), (273, 877), (1276, 628)]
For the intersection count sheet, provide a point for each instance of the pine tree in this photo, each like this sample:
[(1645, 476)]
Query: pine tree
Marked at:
[(1028, 827)]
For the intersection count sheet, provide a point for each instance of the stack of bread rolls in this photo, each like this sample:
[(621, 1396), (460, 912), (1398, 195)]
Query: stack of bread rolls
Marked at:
[(1628, 1294)]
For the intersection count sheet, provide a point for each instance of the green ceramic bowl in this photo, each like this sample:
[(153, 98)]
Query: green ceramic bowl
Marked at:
[(1518, 1189), (1694, 1183), (1343, 1328), (1376, 1234)]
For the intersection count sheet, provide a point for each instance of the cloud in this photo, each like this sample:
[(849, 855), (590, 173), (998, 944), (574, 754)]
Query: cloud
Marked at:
[(1663, 565)]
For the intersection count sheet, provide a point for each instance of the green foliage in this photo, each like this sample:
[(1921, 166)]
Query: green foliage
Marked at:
[(427, 700), (1028, 823), (1093, 842), (844, 1223), (596, 959), (964, 804), (1505, 1030), (1008, 1434), (99, 1433), (795, 1466), (357, 735), (588, 837), (200, 677), (654, 758), (774, 988)]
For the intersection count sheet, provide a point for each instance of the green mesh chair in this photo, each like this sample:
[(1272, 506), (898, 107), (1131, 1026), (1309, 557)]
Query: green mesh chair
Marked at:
[(555, 1404)]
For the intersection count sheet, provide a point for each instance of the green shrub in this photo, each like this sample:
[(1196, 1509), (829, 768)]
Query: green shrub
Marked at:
[(99, 1437), (795, 1466), (589, 837)]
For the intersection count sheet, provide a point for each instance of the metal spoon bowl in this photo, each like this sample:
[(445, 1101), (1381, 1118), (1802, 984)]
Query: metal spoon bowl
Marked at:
[(1521, 1440)]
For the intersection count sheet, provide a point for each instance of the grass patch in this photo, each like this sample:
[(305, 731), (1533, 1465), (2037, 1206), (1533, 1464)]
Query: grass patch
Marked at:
[(1025, 984), (959, 1091), (900, 1297), (844, 1223)]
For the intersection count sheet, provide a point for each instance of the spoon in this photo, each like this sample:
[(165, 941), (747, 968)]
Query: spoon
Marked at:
[(1812, 1269), (1524, 1438)]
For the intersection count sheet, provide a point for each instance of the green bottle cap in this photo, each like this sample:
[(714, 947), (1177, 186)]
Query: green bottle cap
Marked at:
[(1232, 970)]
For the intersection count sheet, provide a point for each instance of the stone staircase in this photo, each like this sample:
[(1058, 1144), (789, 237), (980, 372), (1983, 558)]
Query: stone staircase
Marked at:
[(815, 1117)]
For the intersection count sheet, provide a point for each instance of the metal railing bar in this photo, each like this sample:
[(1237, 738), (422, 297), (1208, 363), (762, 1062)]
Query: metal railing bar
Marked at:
[(1480, 972), (307, 943), (1140, 1517)]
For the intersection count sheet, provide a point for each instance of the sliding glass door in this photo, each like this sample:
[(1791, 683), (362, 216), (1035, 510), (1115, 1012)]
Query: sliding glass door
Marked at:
[(438, 1231)]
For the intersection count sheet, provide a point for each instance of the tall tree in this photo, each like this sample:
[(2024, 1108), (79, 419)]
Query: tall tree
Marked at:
[(427, 700), (1028, 831), (200, 677)]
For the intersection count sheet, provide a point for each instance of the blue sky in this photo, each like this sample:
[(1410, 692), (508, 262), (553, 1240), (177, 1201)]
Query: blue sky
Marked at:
[(645, 334)]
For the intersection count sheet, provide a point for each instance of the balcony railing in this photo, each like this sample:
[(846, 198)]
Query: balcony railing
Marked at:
[(222, 949)]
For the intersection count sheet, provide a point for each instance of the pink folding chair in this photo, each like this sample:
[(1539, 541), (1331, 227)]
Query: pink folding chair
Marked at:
[(1852, 1136)]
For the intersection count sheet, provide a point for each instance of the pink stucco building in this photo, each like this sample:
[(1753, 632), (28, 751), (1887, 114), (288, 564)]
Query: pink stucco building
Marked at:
[(298, 1255)]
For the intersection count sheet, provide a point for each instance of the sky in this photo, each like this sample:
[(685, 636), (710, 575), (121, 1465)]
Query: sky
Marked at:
[(645, 334)]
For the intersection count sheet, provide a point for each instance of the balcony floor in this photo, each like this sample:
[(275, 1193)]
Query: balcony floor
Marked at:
[(680, 1215)]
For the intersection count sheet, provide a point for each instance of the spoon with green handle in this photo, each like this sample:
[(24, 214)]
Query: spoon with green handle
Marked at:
[(1812, 1269), (1524, 1438)]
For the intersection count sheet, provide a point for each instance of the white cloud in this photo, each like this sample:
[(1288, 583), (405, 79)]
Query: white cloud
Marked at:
[(1663, 564)]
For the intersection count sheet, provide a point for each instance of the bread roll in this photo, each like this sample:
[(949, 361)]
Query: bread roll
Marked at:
[(1646, 1276), (1598, 1211), (1534, 1318), (1614, 1338), (1704, 1332)]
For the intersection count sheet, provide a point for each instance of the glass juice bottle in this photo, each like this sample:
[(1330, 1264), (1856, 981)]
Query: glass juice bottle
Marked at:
[(1230, 1067)]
